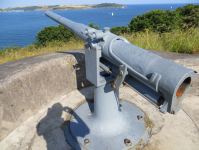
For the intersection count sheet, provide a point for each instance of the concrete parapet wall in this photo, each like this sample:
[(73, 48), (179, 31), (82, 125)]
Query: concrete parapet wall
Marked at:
[(29, 84)]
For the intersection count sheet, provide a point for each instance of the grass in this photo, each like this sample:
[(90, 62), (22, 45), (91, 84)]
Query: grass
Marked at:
[(148, 122), (14, 53), (177, 41)]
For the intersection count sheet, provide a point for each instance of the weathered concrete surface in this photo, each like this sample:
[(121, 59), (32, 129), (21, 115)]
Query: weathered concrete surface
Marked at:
[(171, 132), (27, 86), (43, 131)]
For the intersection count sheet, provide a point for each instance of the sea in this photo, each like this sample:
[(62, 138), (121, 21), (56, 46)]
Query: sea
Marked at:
[(20, 28)]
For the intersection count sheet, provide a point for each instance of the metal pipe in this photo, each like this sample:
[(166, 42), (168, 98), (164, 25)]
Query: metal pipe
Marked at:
[(105, 68)]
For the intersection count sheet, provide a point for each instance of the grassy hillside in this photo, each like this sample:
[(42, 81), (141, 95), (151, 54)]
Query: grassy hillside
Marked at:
[(62, 7), (176, 41)]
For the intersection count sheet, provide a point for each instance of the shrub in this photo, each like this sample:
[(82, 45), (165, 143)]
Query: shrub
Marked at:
[(53, 33), (192, 20), (186, 10), (156, 20)]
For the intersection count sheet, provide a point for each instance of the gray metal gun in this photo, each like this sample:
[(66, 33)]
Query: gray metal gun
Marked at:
[(110, 123), (161, 82)]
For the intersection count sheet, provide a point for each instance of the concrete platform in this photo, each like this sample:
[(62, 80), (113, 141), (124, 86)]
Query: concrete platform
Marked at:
[(33, 104), (44, 131)]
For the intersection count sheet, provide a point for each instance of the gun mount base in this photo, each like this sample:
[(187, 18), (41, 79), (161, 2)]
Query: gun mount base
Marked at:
[(108, 123)]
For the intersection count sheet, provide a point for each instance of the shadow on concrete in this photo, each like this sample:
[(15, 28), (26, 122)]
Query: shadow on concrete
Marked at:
[(52, 122), (50, 127)]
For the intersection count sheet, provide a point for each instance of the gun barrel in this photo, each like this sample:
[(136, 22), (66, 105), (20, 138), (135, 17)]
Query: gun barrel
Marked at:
[(76, 28)]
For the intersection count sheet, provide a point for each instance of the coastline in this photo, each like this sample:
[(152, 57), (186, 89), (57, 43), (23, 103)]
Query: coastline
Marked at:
[(62, 7)]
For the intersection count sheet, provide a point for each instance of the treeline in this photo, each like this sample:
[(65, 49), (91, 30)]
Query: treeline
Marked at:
[(63, 7), (109, 5), (28, 8)]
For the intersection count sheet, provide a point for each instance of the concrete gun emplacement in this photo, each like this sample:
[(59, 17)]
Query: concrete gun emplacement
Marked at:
[(161, 82)]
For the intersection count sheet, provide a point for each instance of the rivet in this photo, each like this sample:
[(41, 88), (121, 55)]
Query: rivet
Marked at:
[(140, 117), (72, 118), (121, 72), (87, 142), (113, 86), (127, 142)]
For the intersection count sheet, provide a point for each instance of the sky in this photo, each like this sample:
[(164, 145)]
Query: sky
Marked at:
[(15, 3)]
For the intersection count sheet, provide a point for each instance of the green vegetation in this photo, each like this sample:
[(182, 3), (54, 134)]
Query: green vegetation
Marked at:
[(175, 41), (179, 41), (189, 15), (14, 53), (163, 34), (53, 33), (120, 30), (166, 21), (62, 7), (109, 5), (149, 123), (92, 26), (156, 20)]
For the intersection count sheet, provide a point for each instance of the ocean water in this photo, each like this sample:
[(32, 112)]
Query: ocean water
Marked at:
[(20, 28)]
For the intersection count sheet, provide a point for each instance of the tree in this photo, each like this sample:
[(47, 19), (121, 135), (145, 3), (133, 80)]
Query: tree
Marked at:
[(156, 20), (53, 33)]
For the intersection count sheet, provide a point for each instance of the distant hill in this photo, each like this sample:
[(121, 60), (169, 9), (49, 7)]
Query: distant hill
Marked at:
[(62, 7)]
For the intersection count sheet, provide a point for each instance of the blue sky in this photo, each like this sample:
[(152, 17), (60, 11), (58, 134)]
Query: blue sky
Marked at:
[(14, 3)]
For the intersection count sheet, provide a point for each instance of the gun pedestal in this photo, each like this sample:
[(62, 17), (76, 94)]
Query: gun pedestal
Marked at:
[(108, 123)]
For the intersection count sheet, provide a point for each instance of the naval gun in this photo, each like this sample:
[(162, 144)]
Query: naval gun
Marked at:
[(111, 123)]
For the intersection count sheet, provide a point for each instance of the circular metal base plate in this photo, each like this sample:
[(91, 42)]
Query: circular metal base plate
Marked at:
[(81, 132)]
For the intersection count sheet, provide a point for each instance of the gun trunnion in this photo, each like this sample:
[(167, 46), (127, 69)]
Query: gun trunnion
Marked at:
[(162, 82)]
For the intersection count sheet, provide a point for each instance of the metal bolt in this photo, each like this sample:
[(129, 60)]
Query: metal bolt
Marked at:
[(121, 72), (140, 118), (113, 86), (87, 142), (127, 142), (72, 118)]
